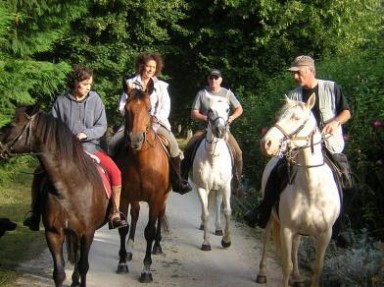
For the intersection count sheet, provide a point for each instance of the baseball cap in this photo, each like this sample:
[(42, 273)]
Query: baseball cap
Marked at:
[(301, 61), (215, 72)]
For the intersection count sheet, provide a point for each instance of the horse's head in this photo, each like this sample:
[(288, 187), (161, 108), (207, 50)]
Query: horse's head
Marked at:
[(16, 136), (218, 118), (296, 123), (137, 117)]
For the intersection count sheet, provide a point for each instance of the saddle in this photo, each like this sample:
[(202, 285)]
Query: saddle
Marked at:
[(283, 174), (164, 143), (190, 153), (103, 174)]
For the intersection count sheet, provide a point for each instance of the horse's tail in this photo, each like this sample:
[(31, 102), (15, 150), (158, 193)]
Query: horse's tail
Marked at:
[(72, 247)]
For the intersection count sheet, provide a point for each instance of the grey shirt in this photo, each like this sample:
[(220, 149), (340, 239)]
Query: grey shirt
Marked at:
[(87, 116), (204, 97)]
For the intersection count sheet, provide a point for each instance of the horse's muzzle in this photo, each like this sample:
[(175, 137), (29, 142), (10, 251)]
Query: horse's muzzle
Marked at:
[(136, 140)]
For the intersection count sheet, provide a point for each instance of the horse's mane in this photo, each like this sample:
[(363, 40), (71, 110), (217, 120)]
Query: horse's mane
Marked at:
[(55, 134), (138, 93)]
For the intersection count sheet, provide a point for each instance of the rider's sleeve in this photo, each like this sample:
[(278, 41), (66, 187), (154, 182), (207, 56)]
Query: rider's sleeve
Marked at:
[(123, 100)]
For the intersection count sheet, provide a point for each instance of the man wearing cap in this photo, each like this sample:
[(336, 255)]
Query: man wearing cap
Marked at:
[(331, 111), (199, 112)]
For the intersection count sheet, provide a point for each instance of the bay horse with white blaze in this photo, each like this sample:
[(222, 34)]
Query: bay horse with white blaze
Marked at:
[(212, 172), (310, 203), (74, 202), (144, 165)]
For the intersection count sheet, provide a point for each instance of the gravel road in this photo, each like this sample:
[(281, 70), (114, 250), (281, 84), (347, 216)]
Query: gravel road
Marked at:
[(182, 263)]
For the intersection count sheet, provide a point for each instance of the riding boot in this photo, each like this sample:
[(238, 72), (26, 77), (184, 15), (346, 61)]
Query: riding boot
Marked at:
[(115, 221), (32, 219), (189, 153), (276, 183), (179, 185)]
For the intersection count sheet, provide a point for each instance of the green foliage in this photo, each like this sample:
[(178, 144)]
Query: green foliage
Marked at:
[(359, 265)]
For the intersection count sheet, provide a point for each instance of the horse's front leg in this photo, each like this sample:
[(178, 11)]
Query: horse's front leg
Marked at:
[(226, 241), (55, 241), (321, 247), (286, 252), (262, 275), (296, 277), (135, 210), (122, 267), (157, 246), (149, 234), (218, 203), (83, 264), (203, 195)]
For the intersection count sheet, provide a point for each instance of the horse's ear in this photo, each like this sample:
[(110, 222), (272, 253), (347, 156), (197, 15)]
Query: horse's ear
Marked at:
[(23, 112), (311, 101)]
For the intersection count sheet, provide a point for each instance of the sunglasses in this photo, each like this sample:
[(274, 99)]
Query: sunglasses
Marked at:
[(213, 77)]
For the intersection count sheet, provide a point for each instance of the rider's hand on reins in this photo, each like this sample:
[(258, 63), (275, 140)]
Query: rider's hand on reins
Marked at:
[(330, 127)]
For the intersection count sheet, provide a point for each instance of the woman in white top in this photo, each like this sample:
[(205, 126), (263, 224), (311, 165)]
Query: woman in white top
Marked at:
[(148, 67)]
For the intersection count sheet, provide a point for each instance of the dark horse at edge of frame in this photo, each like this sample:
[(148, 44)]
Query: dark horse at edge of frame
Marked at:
[(73, 199), (144, 166)]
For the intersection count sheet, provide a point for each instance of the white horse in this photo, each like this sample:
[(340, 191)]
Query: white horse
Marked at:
[(212, 172), (310, 204)]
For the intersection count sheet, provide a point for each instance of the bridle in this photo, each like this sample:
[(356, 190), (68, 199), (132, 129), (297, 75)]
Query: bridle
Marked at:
[(6, 150), (291, 150), (212, 121), (148, 127)]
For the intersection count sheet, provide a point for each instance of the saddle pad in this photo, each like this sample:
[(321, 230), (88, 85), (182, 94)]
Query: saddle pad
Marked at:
[(105, 179)]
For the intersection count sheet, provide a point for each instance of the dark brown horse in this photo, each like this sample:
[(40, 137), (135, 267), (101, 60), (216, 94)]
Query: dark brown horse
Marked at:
[(145, 170), (73, 201)]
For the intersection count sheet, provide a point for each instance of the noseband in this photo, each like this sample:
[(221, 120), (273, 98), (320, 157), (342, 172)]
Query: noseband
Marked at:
[(212, 123)]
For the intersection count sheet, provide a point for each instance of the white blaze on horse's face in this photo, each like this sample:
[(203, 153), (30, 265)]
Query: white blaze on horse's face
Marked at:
[(218, 118), (295, 121)]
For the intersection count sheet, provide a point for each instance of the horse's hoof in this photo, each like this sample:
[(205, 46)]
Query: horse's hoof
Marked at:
[(201, 227), (122, 268), (157, 250), (75, 284), (225, 244), (206, 247), (146, 277), (261, 279), (219, 232)]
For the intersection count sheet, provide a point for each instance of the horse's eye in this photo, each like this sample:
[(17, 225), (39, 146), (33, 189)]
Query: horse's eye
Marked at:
[(295, 117)]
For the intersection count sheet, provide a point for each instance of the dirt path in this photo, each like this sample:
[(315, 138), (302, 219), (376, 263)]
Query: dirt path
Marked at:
[(182, 263)]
